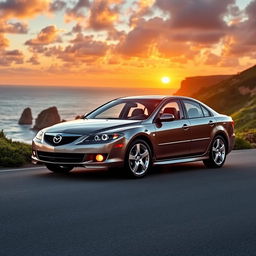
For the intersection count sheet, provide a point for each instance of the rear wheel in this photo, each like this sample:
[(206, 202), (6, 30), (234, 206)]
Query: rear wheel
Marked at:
[(59, 168), (217, 154), (138, 159)]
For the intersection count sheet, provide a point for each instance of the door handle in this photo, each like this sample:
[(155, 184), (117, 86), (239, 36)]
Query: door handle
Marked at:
[(211, 123), (185, 126)]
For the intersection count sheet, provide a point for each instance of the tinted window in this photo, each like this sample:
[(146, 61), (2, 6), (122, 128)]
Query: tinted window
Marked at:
[(172, 108), (193, 109), (138, 108), (135, 109), (206, 111)]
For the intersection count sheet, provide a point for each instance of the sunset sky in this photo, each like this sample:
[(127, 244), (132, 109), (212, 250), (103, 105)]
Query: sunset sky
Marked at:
[(130, 43)]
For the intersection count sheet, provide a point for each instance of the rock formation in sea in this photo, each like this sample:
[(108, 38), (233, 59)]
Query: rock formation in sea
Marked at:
[(47, 117), (26, 117), (78, 117)]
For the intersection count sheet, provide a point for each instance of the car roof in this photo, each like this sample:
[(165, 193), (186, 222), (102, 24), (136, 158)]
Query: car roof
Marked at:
[(160, 97), (157, 97)]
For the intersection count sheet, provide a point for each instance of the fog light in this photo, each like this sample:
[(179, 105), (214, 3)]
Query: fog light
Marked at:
[(99, 158), (33, 153)]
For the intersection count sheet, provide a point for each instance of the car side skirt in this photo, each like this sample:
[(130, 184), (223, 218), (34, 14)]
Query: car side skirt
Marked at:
[(180, 160)]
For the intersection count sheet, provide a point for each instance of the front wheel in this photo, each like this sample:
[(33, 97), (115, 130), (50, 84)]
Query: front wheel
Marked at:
[(217, 154), (59, 168), (138, 159)]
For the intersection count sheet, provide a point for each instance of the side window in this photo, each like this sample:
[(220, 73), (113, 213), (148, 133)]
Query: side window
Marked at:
[(206, 111), (193, 109), (172, 108), (141, 108)]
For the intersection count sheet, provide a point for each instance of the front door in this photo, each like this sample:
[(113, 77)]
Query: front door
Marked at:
[(172, 139)]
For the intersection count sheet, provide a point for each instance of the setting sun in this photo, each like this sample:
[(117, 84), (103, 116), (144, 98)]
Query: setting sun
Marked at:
[(165, 80)]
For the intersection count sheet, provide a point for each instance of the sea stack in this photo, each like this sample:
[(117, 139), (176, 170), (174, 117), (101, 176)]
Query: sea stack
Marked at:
[(47, 117), (26, 117)]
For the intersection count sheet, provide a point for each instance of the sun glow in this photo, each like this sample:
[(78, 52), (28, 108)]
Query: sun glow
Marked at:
[(165, 80)]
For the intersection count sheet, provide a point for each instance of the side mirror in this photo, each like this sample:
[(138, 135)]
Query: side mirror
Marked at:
[(166, 117)]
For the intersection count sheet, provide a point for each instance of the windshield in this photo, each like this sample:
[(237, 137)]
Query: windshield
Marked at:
[(126, 109)]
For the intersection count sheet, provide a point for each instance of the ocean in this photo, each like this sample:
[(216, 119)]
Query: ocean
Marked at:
[(70, 101)]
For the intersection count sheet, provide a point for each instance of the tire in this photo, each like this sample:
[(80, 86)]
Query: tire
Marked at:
[(138, 160), (217, 154), (59, 168)]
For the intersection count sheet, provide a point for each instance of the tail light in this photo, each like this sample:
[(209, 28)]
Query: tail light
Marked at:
[(233, 123)]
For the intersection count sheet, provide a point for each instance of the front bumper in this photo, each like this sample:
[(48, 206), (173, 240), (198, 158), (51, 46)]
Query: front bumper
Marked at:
[(114, 155)]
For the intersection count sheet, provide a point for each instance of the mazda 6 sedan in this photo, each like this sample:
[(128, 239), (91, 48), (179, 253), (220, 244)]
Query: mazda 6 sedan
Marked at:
[(134, 134)]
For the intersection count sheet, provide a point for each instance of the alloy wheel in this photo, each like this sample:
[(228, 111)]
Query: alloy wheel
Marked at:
[(218, 151), (139, 159)]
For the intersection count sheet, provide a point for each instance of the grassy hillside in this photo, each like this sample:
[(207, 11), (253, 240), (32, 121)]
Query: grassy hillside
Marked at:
[(232, 95), (245, 118), (13, 153)]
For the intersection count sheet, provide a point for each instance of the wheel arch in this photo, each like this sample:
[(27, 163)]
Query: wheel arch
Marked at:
[(224, 136), (146, 138)]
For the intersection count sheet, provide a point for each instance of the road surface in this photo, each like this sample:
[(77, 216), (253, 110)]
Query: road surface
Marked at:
[(182, 210)]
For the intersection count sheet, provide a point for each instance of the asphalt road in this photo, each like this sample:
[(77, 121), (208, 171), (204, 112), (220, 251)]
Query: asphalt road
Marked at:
[(180, 210)]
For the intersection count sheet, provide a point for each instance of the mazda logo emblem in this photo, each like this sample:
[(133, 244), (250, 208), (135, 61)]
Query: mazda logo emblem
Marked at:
[(57, 139)]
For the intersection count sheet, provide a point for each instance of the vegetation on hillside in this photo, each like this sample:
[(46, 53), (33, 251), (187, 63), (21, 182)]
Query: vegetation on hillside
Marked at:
[(13, 154), (245, 118), (233, 94)]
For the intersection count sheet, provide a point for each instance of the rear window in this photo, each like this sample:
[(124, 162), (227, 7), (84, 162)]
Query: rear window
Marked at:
[(193, 109), (206, 111)]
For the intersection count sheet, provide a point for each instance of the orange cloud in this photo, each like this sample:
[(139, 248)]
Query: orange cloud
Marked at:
[(47, 35), (15, 27), (4, 42), (22, 8), (10, 57), (103, 15), (81, 50)]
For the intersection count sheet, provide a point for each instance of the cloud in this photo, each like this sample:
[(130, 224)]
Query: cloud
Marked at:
[(78, 9), (34, 60), (103, 14), (14, 28), (196, 14), (241, 40), (11, 57), (82, 49), (86, 46), (4, 42), (142, 7), (57, 5), (77, 28), (139, 40), (96, 15), (47, 35), (22, 8)]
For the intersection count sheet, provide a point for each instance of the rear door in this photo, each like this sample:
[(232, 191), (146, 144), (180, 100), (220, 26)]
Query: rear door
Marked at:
[(172, 138), (201, 126)]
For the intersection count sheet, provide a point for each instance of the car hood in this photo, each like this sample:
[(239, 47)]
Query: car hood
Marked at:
[(88, 126)]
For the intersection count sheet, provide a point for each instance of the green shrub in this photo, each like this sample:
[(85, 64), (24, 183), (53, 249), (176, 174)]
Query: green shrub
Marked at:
[(13, 154), (241, 143)]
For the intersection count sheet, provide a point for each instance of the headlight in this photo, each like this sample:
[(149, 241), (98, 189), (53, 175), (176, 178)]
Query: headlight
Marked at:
[(39, 135), (99, 138)]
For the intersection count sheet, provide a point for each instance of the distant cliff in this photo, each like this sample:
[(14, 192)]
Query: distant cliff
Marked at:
[(191, 85)]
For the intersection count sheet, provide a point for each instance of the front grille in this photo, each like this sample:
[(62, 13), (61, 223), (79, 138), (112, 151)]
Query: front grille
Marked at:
[(65, 139), (60, 157)]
